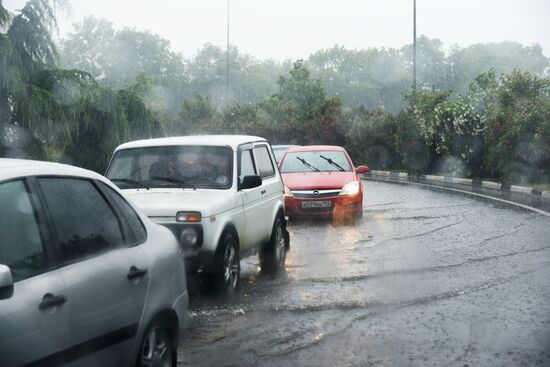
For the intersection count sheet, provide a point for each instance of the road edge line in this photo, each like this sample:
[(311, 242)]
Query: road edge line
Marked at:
[(527, 207)]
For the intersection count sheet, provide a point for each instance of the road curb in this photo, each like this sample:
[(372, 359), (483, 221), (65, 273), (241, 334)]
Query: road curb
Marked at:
[(522, 196)]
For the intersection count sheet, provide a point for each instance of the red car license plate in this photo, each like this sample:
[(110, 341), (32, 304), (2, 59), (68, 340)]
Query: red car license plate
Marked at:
[(315, 204)]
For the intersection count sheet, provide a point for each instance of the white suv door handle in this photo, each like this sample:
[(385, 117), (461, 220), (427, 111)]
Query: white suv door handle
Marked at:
[(263, 191)]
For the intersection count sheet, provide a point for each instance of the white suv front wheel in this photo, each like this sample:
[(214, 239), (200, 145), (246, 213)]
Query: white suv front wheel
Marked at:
[(228, 267), (273, 256)]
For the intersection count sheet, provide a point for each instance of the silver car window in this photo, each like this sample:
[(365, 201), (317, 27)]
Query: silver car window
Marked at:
[(84, 222), (20, 243), (139, 234)]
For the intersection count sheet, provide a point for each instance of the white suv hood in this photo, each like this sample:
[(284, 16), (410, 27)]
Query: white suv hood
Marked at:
[(167, 202)]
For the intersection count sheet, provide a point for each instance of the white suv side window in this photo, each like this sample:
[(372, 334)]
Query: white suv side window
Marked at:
[(263, 160), (247, 164)]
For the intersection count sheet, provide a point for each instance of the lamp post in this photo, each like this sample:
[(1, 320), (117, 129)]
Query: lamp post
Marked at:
[(414, 45), (227, 58)]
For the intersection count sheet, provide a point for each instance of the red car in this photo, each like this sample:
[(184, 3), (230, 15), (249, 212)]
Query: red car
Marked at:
[(321, 180)]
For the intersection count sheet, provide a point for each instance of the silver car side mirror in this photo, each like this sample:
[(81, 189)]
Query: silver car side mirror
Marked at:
[(6, 282)]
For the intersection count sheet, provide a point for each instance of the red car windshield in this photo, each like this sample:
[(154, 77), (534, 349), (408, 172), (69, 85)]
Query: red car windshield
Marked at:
[(323, 161)]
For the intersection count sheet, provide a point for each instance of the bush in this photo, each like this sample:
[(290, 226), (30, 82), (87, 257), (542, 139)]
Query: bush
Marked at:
[(371, 138), (517, 128)]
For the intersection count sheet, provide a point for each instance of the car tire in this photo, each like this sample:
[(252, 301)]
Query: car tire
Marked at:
[(228, 268), (273, 256), (159, 345)]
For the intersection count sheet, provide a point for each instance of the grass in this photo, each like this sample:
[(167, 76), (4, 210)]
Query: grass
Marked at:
[(540, 186)]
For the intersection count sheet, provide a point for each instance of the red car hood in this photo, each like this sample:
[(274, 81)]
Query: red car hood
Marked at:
[(317, 180)]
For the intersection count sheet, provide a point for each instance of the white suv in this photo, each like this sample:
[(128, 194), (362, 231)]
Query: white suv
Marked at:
[(221, 195)]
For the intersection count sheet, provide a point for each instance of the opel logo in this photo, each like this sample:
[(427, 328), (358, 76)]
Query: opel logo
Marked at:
[(315, 193)]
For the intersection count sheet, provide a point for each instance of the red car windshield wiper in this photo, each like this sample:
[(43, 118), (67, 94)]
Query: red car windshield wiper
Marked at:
[(305, 163), (330, 161)]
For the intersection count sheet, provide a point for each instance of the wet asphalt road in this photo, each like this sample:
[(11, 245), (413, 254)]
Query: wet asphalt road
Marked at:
[(424, 279)]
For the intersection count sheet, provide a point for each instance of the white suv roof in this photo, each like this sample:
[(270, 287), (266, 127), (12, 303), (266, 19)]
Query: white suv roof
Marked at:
[(222, 140)]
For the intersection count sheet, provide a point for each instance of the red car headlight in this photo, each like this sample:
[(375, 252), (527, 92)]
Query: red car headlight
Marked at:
[(351, 188)]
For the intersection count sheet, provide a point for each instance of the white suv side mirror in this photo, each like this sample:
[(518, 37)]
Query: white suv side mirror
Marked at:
[(250, 182)]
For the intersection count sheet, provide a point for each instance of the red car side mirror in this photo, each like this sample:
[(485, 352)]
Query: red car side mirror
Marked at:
[(362, 169)]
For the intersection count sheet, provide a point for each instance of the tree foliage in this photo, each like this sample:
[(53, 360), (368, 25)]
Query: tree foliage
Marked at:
[(117, 57), (372, 137), (479, 111), (499, 129), (517, 128), (27, 51), (57, 114), (302, 111), (373, 77)]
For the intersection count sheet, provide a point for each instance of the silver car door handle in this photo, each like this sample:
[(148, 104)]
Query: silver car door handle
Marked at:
[(136, 273), (263, 191), (49, 300)]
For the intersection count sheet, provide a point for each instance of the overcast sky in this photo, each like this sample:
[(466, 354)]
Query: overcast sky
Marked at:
[(282, 29)]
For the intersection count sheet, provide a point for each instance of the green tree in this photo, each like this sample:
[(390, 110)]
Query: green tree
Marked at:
[(431, 64), (89, 48), (517, 129), (57, 114), (102, 126), (372, 77), (28, 54), (245, 119), (198, 115), (250, 79), (143, 110), (466, 63), (417, 129), (117, 58), (457, 130), (302, 111), (372, 138)]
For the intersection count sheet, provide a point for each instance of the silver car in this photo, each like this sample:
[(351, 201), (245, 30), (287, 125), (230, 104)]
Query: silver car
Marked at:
[(279, 151), (85, 278)]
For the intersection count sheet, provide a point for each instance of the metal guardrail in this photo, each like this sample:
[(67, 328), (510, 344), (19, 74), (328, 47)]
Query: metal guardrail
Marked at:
[(523, 195)]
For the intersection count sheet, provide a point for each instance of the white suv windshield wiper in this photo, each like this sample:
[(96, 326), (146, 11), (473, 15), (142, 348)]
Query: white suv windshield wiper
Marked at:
[(130, 181), (174, 180)]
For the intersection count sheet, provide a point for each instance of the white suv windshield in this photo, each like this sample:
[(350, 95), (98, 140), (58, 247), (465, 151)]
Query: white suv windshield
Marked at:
[(172, 166)]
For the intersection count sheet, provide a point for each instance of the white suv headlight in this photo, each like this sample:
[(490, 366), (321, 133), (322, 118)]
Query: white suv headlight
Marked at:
[(351, 188), (193, 217)]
